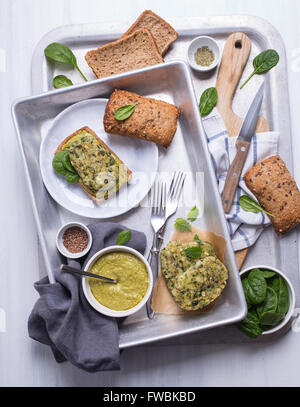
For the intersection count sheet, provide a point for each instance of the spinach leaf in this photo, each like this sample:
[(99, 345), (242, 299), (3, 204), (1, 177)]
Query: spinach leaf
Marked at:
[(124, 112), (271, 318), (257, 287), (245, 285), (268, 274), (67, 163), (57, 163), (251, 205), (280, 287), (61, 53), (123, 237), (193, 252), (208, 101), (71, 177), (250, 325), (61, 81), (62, 165), (193, 214), (183, 225), (265, 61), (269, 305)]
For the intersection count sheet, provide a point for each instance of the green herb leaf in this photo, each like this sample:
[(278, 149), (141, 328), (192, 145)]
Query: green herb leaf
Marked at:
[(183, 225), (197, 239), (193, 252), (67, 163), (269, 305), (271, 318), (123, 237), (57, 162), (61, 81), (250, 325), (251, 205), (267, 274), (265, 61), (72, 178), (193, 214), (61, 53), (245, 285), (124, 112), (280, 287), (257, 287), (208, 101)]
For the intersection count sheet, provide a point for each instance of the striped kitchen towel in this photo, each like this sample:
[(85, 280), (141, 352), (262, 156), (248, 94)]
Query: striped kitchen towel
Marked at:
[(244, 227)]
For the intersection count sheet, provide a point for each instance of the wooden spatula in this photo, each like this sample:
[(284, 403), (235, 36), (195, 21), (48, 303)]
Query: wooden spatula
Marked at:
[(234, 59)]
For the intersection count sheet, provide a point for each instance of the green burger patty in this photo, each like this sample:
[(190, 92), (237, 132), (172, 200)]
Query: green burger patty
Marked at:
[(193, 283)]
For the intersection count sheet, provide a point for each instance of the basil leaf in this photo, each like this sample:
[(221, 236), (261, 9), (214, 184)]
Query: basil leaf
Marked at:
[(265, 61), (183, 225), (257, 287), (123, 237), (196, 239), (57, 163), (280, 287), (71, 177), (61, 81), (124, 112), (269, 305), (193, 252), (208, 101), (67, 163), (61, 53), (193, 214), (250, 325), (251, 205)]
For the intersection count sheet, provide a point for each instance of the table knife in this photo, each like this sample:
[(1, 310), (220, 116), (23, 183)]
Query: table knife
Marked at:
[(242, 145)]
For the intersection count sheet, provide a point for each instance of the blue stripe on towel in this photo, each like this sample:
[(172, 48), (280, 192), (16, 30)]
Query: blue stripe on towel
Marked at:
[(241, 232), (216, 136)]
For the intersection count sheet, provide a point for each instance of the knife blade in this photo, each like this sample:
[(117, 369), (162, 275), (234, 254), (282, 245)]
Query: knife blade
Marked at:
[(242, 145)]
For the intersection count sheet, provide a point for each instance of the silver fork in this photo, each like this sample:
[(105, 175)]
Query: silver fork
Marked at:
[(172, 200), (158, 216)]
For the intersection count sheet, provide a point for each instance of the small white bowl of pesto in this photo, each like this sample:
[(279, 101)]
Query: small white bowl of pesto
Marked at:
[(134, 281)]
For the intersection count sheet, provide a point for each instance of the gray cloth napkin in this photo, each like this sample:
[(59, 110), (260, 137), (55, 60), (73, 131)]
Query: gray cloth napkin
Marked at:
[(63, 319)]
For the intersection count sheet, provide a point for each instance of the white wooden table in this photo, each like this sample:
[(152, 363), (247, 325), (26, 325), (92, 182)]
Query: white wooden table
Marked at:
[(26, 363)]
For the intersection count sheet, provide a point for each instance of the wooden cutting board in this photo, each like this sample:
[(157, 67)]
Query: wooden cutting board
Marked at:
[(234, 59)]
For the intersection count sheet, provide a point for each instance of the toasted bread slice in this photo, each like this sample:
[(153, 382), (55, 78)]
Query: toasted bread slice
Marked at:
[(152, 120), (162, 32), (100, 156), (134, 51)]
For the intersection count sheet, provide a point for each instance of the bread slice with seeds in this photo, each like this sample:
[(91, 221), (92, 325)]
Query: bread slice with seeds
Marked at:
[(133, 51), (162, 32)]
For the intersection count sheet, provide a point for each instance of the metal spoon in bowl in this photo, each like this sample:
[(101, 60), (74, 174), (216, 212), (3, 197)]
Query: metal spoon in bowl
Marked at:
[(71, 270)]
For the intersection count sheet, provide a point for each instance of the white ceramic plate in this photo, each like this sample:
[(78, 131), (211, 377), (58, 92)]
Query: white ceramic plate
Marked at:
[(140, 156)]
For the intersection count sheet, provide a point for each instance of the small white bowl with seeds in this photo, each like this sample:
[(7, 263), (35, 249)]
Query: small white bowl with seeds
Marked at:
[(204, 54), (74, 240)]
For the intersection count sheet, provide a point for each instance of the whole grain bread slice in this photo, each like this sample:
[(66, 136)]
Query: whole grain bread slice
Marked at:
[(162, 32), (152, 120), (134, 51), (276, 191)]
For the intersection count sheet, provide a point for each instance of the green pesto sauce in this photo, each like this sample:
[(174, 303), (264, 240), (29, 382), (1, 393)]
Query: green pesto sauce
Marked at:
[(132, 277)]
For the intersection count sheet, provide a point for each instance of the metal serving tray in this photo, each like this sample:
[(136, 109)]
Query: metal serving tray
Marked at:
[(171, 82), (281, 253)]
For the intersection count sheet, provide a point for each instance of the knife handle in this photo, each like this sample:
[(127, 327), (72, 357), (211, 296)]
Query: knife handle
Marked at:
[(234, 174)]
